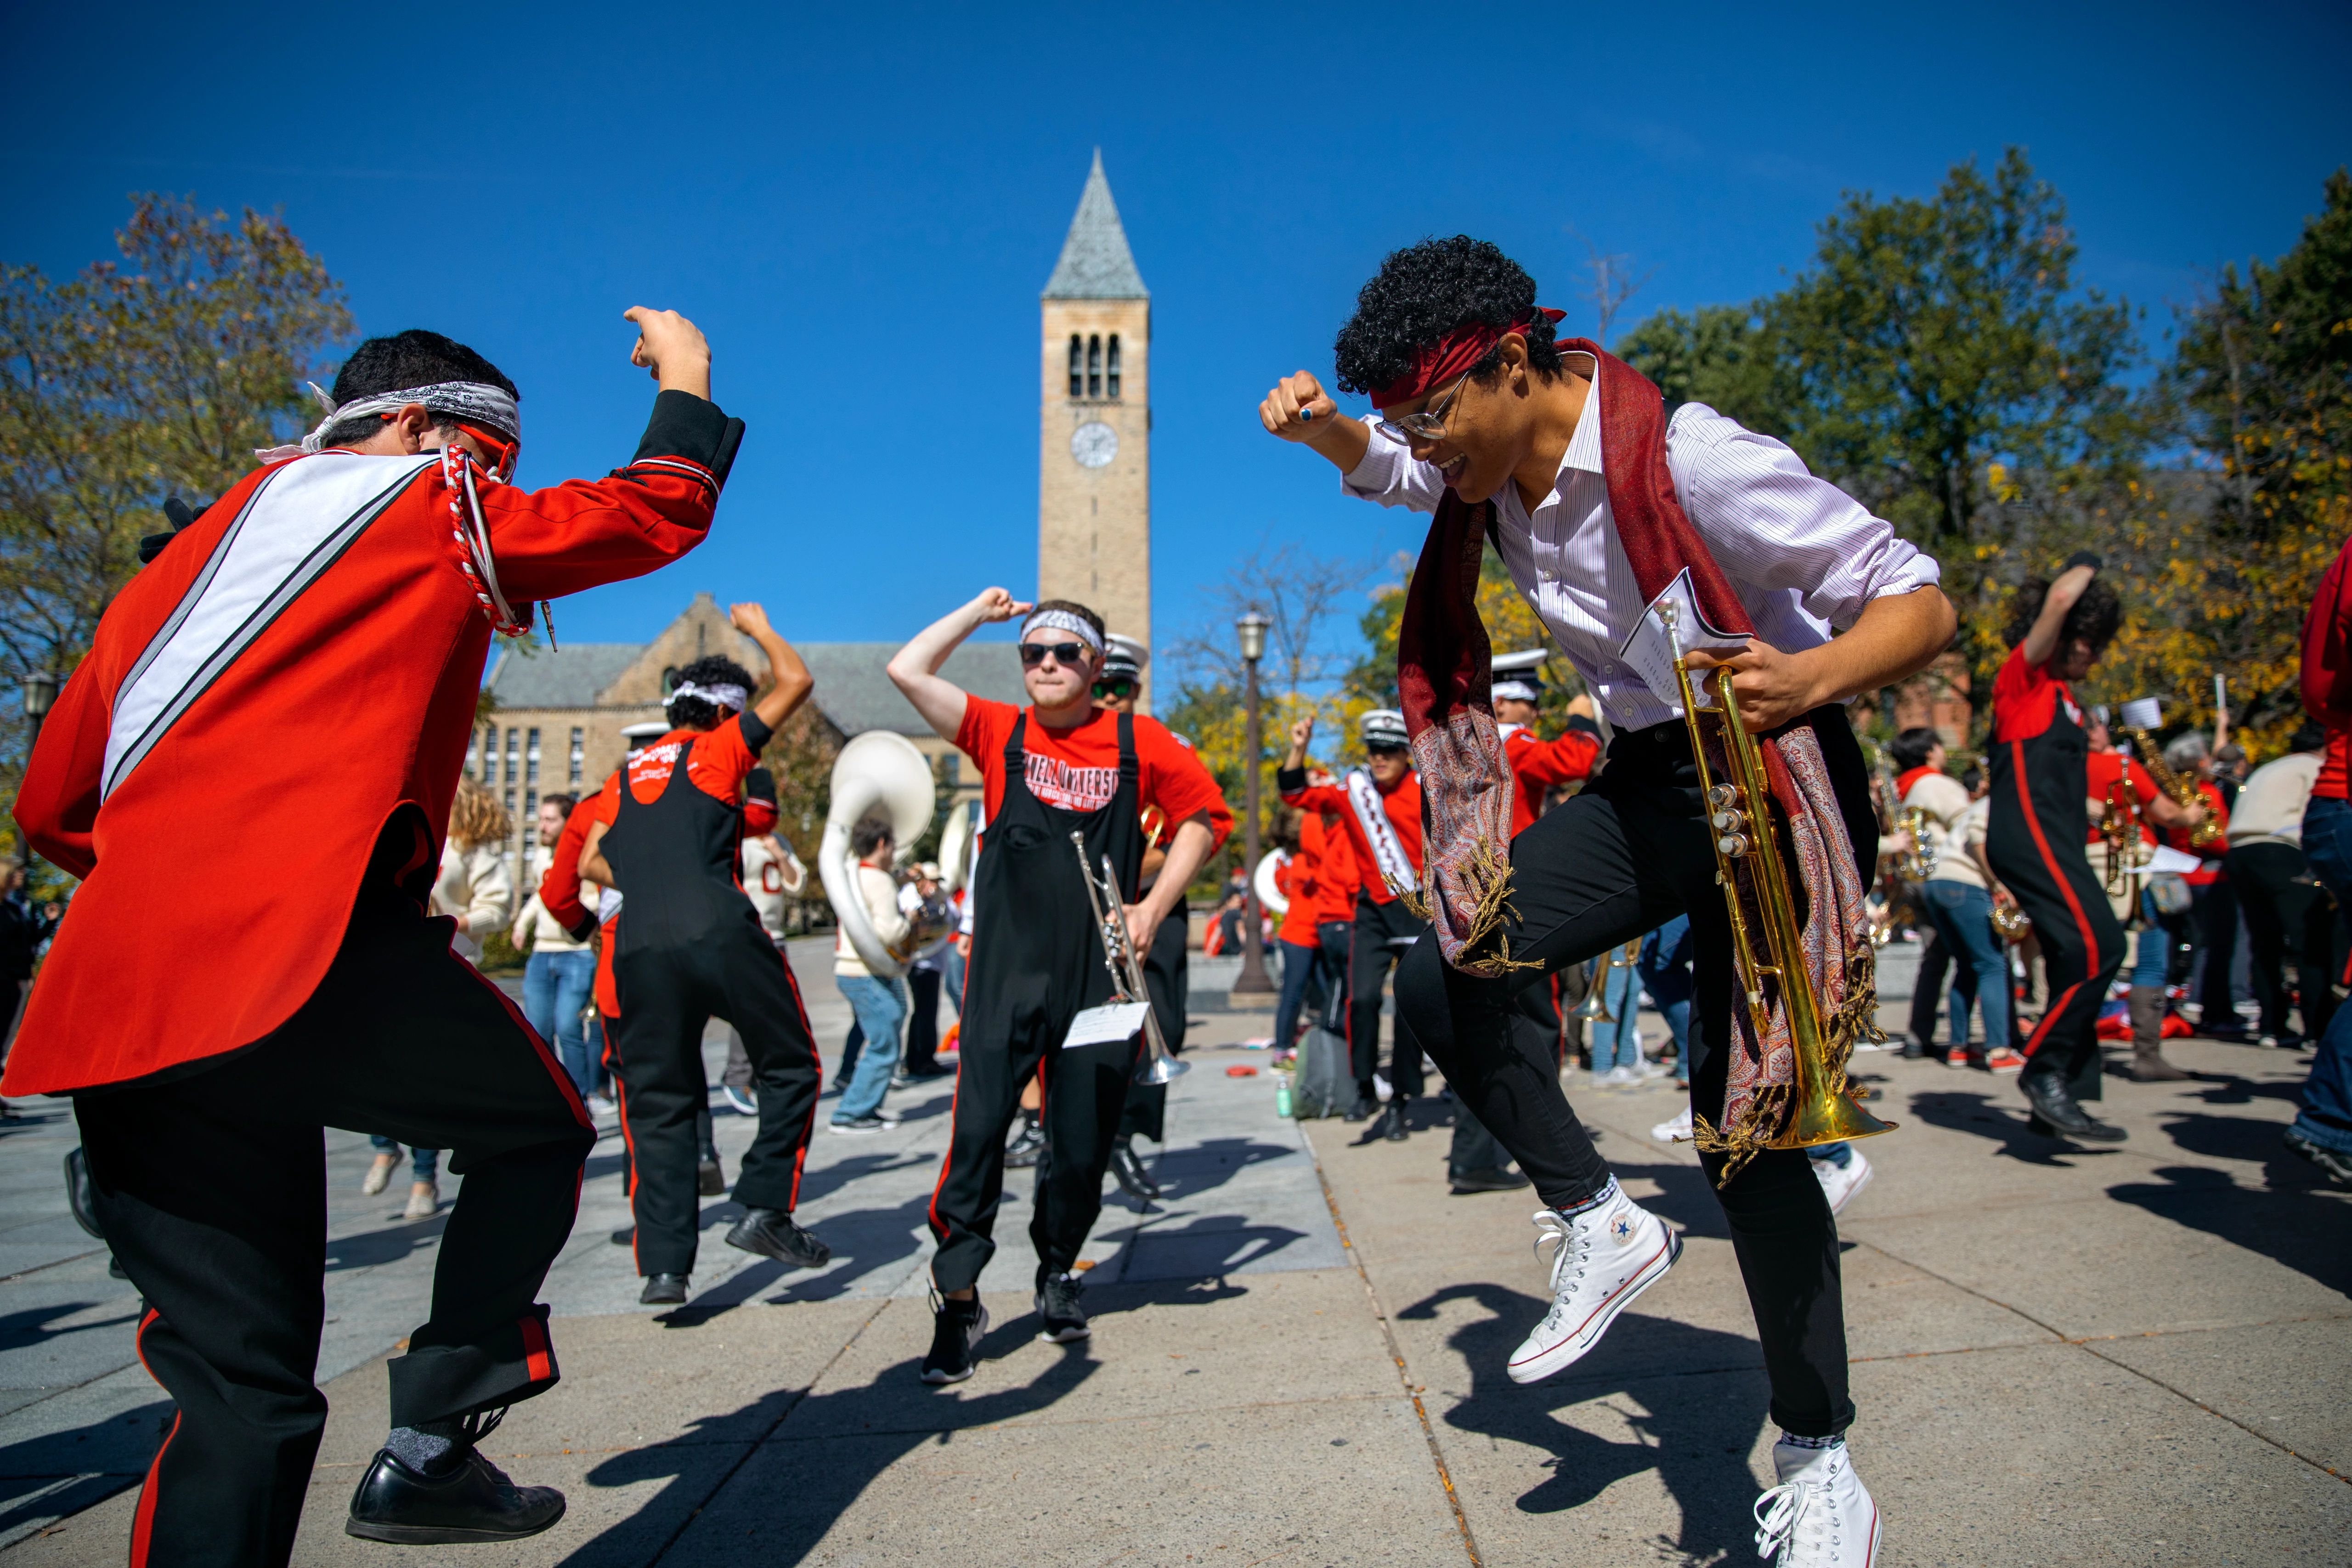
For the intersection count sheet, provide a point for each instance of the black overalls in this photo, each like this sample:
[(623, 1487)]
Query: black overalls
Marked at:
[(1036, 960), (690, 949), (2035, 840), (1167, 976)]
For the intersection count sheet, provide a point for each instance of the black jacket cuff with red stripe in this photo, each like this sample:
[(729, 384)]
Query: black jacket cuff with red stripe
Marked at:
[(685, 425), (1289, 781)]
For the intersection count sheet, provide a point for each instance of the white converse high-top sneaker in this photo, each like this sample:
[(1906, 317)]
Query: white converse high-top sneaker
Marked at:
[(1819, 1516), (1601, 1259)]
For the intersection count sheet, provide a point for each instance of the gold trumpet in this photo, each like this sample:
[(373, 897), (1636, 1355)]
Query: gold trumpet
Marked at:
[(2120, 828), (1594, 1008), (2183, 791), (1748, 862), (1126, 984)]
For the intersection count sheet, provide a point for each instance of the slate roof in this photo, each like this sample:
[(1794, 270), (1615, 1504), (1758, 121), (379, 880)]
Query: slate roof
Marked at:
[(1096, 263), (568, 677)]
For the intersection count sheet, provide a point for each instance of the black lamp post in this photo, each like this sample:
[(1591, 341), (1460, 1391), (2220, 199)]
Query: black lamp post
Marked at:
[(38, 691), (1252, 981)]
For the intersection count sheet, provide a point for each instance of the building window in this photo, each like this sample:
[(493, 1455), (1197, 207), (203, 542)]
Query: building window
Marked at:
[(1078, 374), (514, 767), (528, 827), (1111, 383), (579, 755), (531, 766), (473, 753), (1094, 367), (509, 800)]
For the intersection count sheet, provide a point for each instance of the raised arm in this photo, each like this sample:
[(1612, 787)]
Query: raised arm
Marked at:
[(915, 668), (789, 681), (2042, 642)]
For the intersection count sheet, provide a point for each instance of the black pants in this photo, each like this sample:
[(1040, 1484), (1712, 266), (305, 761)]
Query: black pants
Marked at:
[(1928, 990), (1621, 858), (1168, 978), (211, 1191), (922, 1055), (2215, 911), (2082, 949), (2284, 916), (1375, 942), (1085, 1090), (667, 997)]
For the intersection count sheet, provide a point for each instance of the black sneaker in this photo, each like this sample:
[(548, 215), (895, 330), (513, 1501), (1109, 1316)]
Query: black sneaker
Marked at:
[(1133, 1179), (2337, 1164), (475, 1501), (772, 1232), (1494, 1179), (710, 1179), (957, 1328), (857, 1127), (1023, 1152), (1057, 1303), (663, 1291)]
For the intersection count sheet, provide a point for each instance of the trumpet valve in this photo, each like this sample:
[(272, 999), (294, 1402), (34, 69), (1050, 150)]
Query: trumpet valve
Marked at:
[(1721, 795), (1730, 821), (1731, 846)]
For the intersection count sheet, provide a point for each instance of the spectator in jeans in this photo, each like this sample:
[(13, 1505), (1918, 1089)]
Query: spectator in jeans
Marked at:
[(560, 972), (1959, 893), (23, 929), (880, 1004), (1617, 1042), (2267, 867)]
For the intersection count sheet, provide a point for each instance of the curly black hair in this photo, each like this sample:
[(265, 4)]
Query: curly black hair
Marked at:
[(2096, 617), (413, 357), (701, 712), (1426, 290)]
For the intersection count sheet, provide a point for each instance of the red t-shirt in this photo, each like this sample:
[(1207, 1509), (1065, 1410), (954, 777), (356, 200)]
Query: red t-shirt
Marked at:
[(1537, 765), (2025, 700), (1335, 872), (1077, 769), (721, 759), (2101, 769), (1401, 805)]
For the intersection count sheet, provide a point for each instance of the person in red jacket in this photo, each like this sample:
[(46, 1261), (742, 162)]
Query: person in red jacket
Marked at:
[(2322, 1130), (348, 587), (1538, 767), (1379, 806)]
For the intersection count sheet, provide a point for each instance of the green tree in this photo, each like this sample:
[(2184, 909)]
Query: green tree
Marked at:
[(137, 380), (1721, 355)]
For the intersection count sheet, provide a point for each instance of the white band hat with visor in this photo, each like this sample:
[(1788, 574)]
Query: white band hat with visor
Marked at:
[(1124, 657), (1519, 676), (1382, 726)]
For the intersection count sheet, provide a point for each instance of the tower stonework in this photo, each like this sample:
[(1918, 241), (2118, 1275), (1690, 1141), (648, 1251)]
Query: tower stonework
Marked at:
[(1094, 465)]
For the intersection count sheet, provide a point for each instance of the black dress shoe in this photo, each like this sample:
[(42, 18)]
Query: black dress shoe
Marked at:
[(710, 1179), (625, 1236), (1491, 1180), (2058, 1114), (771, 1233), (661, 1290), (1133, 1179), (475, 1501), (1362, 1109), (1023, 1152), (1392, 1123)]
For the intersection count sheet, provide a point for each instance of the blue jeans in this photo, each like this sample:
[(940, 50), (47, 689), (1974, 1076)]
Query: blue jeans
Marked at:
[(2326, 1115), (1962, 916), (1617, 1044), (881, 1008), (424, 1163), (555, 987), (2152, 944), (1298, 968), (1665, 970)]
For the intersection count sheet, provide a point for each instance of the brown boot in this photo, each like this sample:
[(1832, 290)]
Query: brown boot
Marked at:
[(2148, 1064)]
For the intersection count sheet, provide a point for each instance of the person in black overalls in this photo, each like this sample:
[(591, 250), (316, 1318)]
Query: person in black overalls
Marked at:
[(1038, 956), (2040, 820), (690, 947)]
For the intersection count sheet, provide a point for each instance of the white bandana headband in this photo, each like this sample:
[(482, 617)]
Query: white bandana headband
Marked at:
[(1063, 621), (476, 401), (718, 694)]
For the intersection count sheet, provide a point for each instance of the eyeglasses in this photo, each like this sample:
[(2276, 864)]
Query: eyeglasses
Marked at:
[(1428, 425), (1117, 690), (1068, 654)]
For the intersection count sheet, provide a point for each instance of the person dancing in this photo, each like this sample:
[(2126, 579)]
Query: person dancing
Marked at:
[(348, 587), (1603, 508), (2039, 822), (1059, 767)]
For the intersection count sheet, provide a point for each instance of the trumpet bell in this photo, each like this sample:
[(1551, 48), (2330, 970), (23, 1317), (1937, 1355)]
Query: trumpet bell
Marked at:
[(1827, 1116), (1158, 1069), (1594, 1008)]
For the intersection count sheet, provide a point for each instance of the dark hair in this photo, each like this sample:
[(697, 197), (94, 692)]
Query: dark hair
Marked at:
[(1424, 291), (701, 712), (2094, 618), (1971, 777), (413, 357), (868, 836), (1072, 607), (565, 802), (2307, 737), (1913, 747)]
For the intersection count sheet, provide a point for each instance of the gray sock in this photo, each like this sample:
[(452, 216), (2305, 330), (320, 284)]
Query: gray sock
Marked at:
[(434, 1448)]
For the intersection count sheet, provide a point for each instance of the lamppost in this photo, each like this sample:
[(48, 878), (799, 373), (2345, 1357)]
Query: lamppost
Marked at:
[(1252, 981), (38, 690)]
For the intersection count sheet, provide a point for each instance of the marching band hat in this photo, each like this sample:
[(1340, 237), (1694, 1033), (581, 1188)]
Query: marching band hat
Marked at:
[(1382, 726), (1123, 658), (644, 729), (1519, 676)]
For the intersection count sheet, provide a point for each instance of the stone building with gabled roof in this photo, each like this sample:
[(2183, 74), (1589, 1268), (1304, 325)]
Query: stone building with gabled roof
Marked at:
[(557, 715)]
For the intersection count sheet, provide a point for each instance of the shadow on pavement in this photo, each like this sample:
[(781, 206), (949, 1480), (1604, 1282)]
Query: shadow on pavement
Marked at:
[(370, 1248), (1202, 1167), (2232, 1089), (2293, 1222), (1982, 1116), (1693, 1434), (61, 1474), (24, 1330)]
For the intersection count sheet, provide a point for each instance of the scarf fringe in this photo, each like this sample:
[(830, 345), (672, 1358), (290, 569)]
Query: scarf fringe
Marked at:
[(1486, 875)]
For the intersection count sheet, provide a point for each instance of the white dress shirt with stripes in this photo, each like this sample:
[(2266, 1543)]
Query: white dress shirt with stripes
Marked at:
[(1804, 556)]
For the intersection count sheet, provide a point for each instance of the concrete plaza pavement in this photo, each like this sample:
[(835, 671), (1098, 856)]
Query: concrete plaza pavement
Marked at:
[(2133, 1355)]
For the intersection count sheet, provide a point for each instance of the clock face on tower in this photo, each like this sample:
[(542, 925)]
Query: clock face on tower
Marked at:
[(1094, 444)]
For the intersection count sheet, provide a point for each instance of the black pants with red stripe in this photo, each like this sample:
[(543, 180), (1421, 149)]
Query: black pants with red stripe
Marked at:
[(2081, 942), (668, 997), (210, 1188), (1378, 941)]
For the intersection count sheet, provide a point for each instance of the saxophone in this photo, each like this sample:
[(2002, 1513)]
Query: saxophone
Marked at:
[(2183, 791), (2120, 828)]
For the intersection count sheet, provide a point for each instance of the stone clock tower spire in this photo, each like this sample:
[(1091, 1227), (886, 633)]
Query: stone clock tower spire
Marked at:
[(1094, 475)]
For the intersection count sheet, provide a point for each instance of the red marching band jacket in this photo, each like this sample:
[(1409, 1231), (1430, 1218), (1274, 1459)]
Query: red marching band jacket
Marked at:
[(298, 663)]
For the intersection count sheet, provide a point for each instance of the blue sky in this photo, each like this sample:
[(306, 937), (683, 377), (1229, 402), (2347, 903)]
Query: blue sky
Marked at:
[(860, 209)]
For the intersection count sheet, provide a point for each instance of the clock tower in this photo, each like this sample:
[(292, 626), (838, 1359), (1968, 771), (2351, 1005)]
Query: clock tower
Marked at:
[(1093, 477)]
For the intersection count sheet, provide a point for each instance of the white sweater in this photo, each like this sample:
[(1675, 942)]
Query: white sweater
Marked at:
[(1952, 825), (536, 931), (881, 892), (474, 886)]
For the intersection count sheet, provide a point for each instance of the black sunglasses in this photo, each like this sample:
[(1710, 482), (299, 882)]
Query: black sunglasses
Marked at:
[(1068, 654)]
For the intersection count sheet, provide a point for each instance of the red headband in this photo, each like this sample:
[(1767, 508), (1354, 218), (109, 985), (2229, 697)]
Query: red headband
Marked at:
[(1439, 362)]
